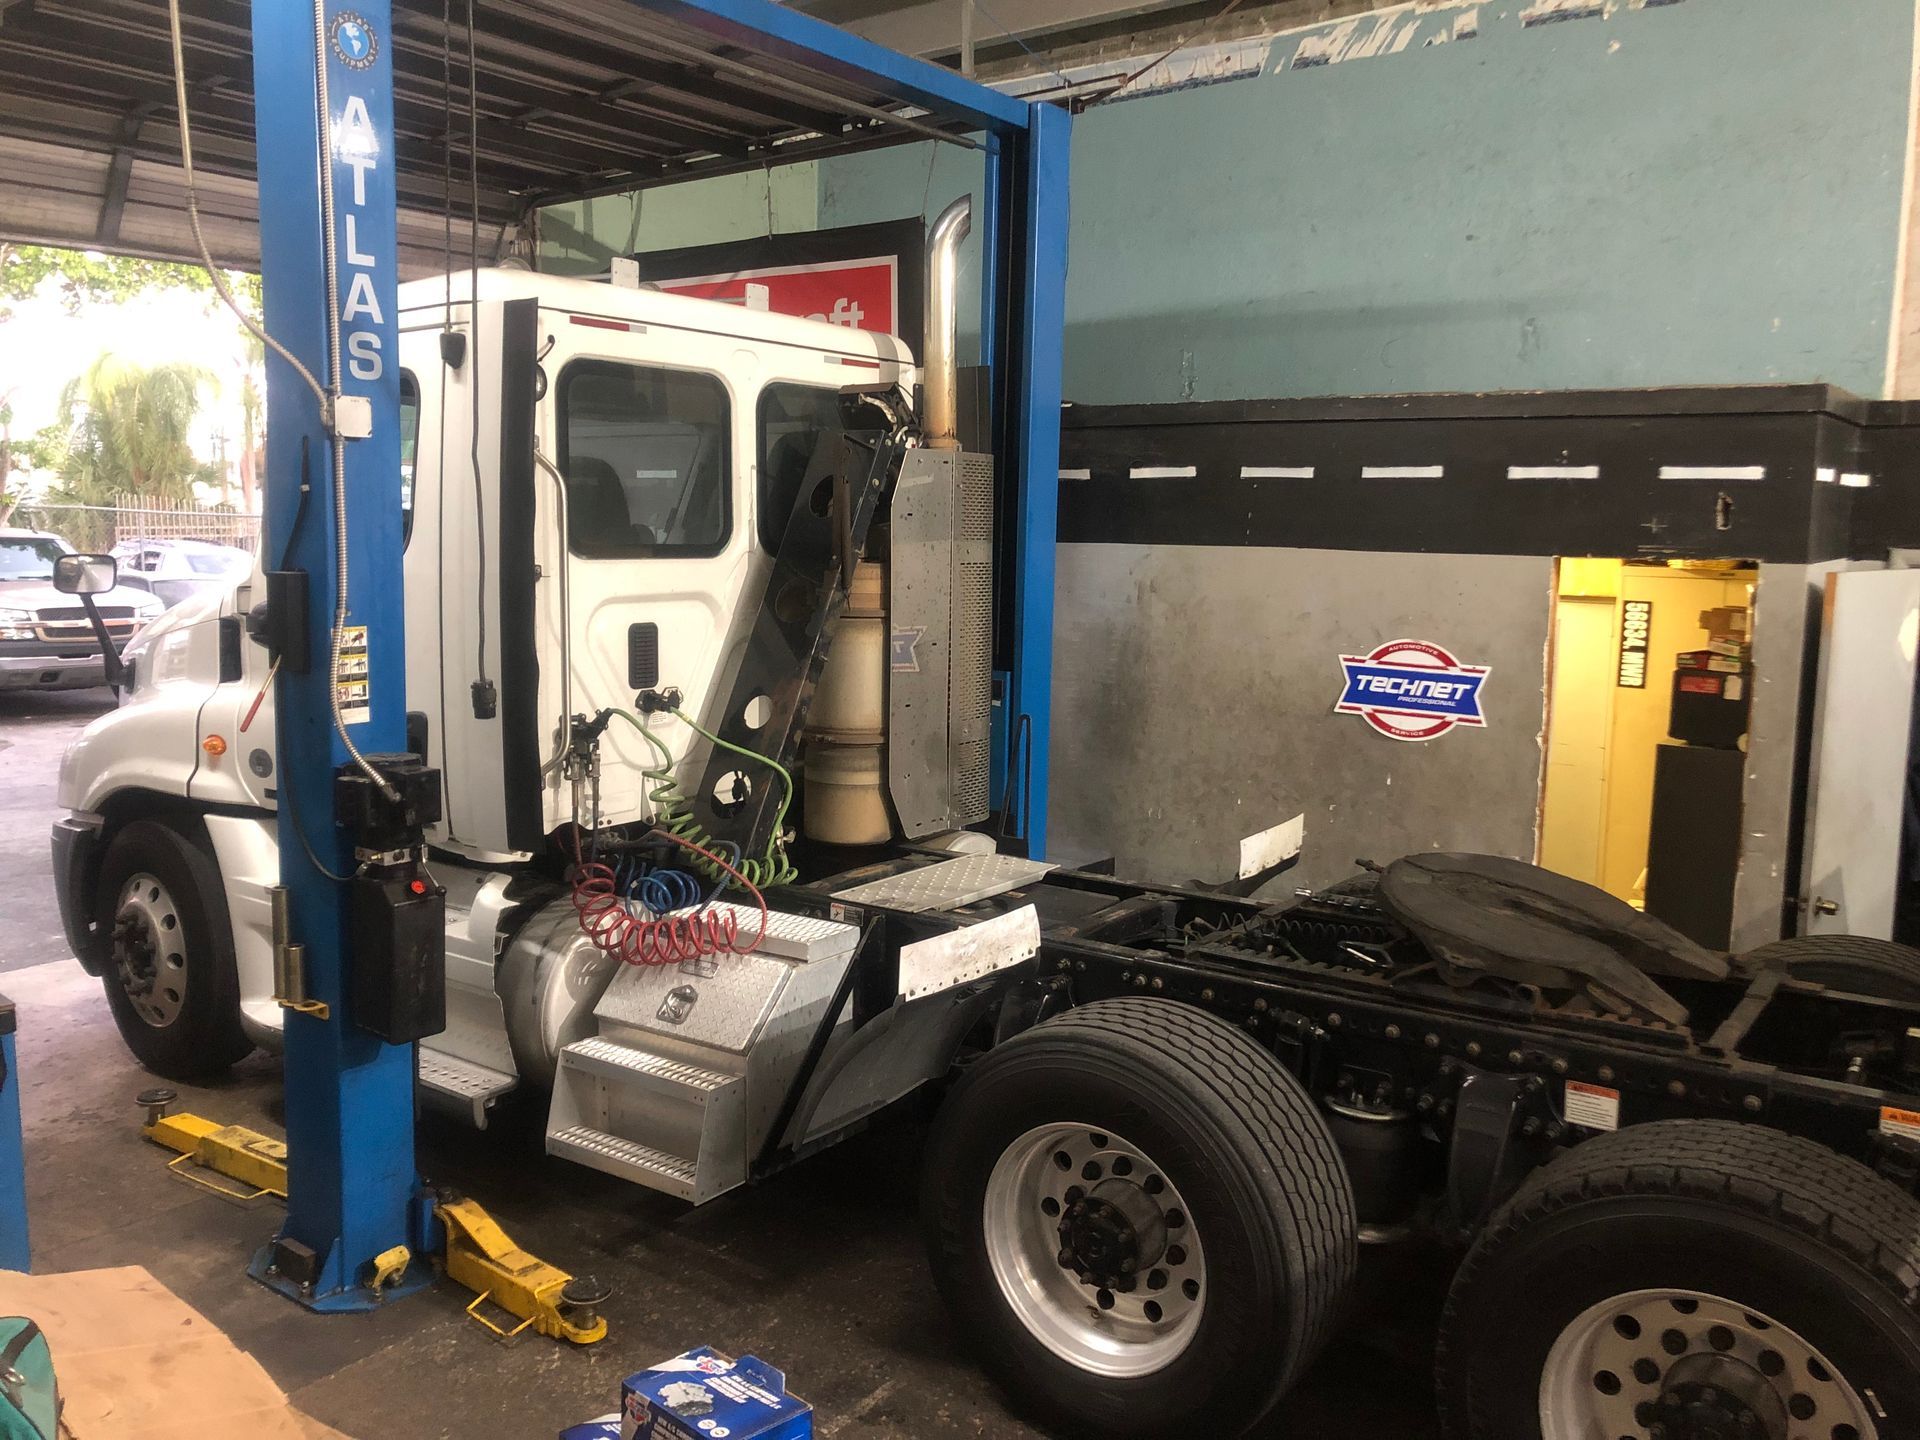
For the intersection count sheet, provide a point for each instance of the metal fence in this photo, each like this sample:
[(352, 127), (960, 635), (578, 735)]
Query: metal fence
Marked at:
[(101, 527)]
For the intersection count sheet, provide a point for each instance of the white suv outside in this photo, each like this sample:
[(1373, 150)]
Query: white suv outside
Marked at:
[(176, 570)]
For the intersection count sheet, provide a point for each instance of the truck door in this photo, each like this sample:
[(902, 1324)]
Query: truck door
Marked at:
[(649, 431), (1863, 719)]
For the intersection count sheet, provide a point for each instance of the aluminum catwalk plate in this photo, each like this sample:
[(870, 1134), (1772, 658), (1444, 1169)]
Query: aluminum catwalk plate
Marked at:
[(947, 883)]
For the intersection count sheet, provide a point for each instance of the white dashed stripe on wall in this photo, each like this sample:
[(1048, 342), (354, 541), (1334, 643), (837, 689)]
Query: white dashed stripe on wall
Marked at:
[(1553, 472), (1713, 472)]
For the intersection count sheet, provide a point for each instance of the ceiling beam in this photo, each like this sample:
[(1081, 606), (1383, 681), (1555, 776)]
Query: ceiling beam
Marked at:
[(932, 27), (113, 202)]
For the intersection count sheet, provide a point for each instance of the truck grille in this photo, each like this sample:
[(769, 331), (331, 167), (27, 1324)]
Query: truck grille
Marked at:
[(68, 624)]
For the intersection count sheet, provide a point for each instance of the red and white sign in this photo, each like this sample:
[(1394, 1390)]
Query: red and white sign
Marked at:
[(1592, 1107), (859, 294), (1412, 690)]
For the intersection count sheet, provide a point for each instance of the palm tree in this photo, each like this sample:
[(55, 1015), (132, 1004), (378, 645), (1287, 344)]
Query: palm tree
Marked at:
[(252, 431), (9, 498), (124, 430)]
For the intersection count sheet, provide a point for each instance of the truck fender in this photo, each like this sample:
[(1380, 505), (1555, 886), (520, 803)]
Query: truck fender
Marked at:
[(246, 847), (890, 1056)]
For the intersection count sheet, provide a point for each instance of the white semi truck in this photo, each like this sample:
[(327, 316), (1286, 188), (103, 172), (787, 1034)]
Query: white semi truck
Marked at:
[(721, 551)]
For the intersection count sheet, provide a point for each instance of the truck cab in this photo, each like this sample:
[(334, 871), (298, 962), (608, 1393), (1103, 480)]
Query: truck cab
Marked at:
[(594, 482)]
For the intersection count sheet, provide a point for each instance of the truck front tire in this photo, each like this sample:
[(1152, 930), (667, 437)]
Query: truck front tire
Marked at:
[(170, 975), (1140, 1219), (1689, 1278)]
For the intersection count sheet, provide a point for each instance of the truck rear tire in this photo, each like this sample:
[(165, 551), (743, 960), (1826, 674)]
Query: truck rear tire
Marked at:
[(1140, 1219), (1860, 963), (1702, 1277), (170, 976)]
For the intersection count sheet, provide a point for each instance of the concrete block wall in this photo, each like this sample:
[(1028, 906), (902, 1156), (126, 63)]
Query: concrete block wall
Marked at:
[(1462, 195), (1193, 705), (1479, 196)]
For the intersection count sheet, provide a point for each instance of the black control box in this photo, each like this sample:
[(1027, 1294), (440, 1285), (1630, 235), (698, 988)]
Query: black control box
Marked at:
[(397, 911), (399, 968)]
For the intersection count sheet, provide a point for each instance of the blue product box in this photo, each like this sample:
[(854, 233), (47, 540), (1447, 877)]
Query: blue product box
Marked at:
[(607, 1427), (704, 1395)]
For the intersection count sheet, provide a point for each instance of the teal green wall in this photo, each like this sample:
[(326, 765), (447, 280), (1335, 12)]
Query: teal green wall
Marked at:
[(1701, 192), (700, 212)]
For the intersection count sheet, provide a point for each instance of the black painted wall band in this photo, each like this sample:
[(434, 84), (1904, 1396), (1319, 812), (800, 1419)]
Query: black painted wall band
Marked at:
[(1763, 473)]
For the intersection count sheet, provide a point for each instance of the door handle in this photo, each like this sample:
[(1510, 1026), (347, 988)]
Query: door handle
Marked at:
[(1823, 906)]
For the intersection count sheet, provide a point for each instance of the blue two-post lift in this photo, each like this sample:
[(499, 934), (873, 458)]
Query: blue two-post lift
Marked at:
[(355, 1194)]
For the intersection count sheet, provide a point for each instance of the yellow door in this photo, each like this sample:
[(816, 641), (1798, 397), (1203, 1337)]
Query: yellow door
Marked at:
[(1573, 816)]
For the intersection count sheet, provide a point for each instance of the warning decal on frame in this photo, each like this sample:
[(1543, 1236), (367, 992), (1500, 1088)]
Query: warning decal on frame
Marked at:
[(1901, 1124), (351, 687), (1592, 1107)]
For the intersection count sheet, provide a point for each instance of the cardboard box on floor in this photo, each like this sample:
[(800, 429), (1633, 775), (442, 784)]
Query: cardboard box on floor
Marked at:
[(136, 1362)]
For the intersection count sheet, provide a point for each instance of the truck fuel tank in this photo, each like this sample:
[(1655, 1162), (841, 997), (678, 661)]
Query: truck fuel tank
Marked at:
[(550, 979)]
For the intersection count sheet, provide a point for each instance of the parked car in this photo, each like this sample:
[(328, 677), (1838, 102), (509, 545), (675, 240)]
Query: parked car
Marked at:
[(176, 570), (46, 639)]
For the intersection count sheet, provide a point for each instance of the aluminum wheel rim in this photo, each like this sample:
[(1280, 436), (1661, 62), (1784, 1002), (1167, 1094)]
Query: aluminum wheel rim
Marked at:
[(150, 950), (1031, 1224), (1641, 1359)]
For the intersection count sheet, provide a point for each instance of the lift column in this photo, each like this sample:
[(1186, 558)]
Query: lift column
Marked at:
[(349, 1096), (1026, 247)]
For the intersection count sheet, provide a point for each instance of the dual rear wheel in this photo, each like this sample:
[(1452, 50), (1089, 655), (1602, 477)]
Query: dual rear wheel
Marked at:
[(1689, 1280), (1140, 1219), (1143, 1224)]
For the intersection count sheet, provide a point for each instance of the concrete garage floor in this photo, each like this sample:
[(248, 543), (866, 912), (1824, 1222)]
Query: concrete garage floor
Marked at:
[(818, 1270)]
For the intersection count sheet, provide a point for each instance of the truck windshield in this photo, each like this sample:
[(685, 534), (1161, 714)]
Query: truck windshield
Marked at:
[(25, 559)]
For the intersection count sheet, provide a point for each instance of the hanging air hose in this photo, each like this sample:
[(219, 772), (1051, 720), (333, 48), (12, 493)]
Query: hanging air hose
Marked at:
[(660, 889), (644, 914), (673, 815)]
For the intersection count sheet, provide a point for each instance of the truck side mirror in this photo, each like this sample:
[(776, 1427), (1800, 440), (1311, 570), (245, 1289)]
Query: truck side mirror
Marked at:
[(85, 574)]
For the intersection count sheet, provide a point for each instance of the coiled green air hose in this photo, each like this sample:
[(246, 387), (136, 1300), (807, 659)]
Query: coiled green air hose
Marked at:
[(672, 813)]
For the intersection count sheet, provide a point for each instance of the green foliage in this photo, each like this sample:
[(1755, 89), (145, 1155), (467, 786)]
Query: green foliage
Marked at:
[(38, 452), (85, 275), (124, 430)]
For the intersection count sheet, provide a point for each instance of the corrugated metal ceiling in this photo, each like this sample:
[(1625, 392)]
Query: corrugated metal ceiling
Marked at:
[(573, 97)]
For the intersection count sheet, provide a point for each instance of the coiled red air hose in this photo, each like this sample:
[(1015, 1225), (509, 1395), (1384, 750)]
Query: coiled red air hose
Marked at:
[(633, 938)]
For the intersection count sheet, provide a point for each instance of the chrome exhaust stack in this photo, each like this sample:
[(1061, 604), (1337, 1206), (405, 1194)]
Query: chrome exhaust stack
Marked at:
[(940, 370)]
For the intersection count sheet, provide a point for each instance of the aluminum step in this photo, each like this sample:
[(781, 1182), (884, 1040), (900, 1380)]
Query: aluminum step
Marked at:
[(661, 1121), (625, 1063), (465, 1085), (627, 1159)]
